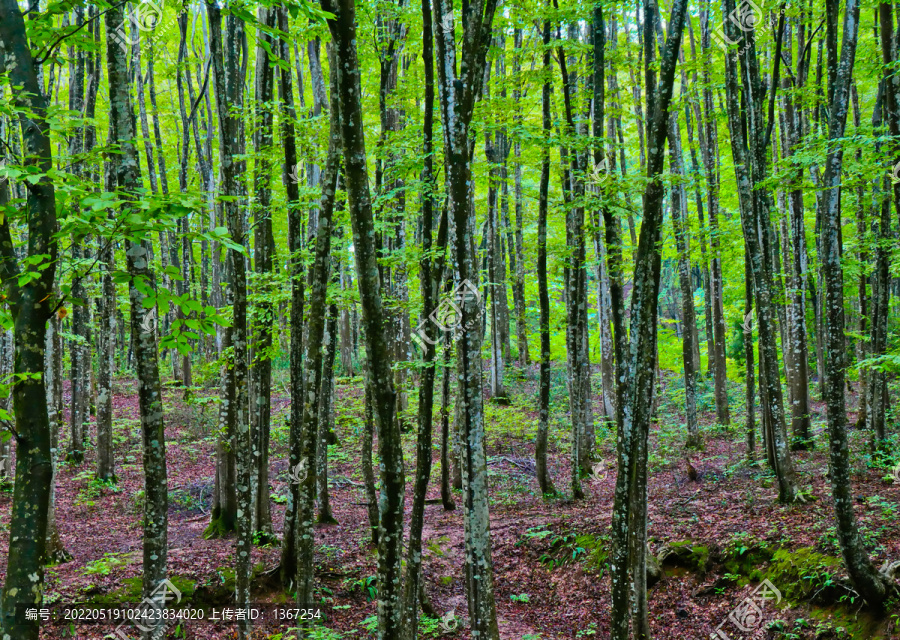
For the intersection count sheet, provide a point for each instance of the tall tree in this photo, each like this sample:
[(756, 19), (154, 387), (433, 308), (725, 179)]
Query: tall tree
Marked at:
[(228, 75), (755, 201), (138, 251), (710, 153), (877, 391), (540, 446), (31, 309), (635, 401), (690, 360), (264, 249), (379, 376), (458, 94), (872, 585)]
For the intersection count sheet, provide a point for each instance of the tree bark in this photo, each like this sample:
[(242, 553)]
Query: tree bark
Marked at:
[(545, 482), (31, 309), (870, 584), (228, 72), (458, 94), (289, 558), (143, 323), (710, 155), (691, 362), (635, 401), (264, 249), (755, 204), (379, 374)]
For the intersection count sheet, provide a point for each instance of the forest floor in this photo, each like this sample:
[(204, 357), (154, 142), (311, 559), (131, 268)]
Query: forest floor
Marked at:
[(722, 533)]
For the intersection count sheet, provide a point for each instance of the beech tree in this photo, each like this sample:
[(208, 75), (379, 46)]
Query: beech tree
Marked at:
[(31, 306)]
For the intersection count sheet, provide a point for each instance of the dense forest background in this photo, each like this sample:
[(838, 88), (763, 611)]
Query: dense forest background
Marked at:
[(485, 319)]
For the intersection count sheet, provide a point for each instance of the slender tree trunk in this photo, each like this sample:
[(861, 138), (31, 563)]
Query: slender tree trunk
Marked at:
[(225, 507), (545, 482), (691, 362), (368, 472), (755, 205), (326, 406), (750, 392), (576, 293), (30, 311), (55, 552), (106, 464), (519, 251), (379, 373), (289, 556), (877, 391), (710, 155), (143, 323), (797, 269), (635, 401), (458, 95), (446, 445), (870, 584), (431, 271), (228, 82), (264, 249)]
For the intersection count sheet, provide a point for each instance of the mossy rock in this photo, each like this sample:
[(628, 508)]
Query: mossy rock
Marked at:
[(685, 554), (840, 623), (804, 574), (132, 591), (743, 560)]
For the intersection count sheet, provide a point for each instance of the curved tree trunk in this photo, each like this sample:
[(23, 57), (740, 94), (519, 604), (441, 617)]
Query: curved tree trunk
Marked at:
[(540, 448)]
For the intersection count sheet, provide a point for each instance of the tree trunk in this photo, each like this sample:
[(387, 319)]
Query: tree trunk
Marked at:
[(458, 95), (750, 392), (519, 251), (379, 373), (289, 558), (690, 361), (143, 324), (228, 82), (755, 205), (55, 552), (870, 584), (545, 482), (30, 311), (877, 388), (326, 405), (636, 395), (710, 155), (367, 470), (106, 464), (264, 249)]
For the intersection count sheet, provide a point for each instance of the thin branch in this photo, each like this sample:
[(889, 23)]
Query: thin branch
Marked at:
[(40, 60)]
